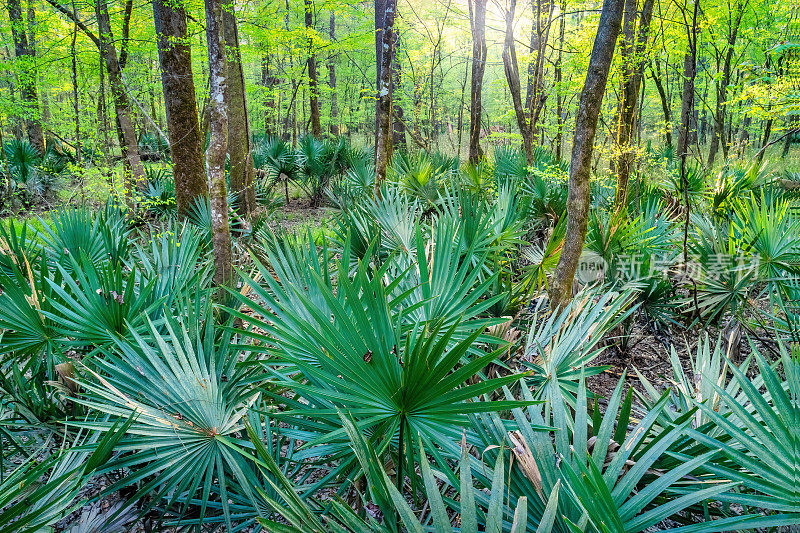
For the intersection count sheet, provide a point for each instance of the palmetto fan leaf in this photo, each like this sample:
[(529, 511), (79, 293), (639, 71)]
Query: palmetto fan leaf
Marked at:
[(356, 352), (189, 392), (759, 438), (559, 349)]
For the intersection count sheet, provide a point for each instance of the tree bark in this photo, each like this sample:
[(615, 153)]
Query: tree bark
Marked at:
[(26, 73), (75, 101), (380, 15), (383, 139), (511, 70), (127, 133), (633, 71), (662, 94), (477, 18), (578, 198), (217, 146), (334, 126), (559, 80), (313, 83), (398, 126), (242, 172), (183, 124)]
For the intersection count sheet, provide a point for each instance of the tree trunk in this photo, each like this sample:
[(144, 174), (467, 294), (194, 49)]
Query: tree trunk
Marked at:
[(662, 94), (722, 88), (398, 126), (242, 172), (183, 125), (536, 95), (313, 91), (102, 111), (75, 100), (26, 73), (559, 79), (633, 70), (217, 146), (125, 121), (578, 198), (477, 18), (511, 70), (383, 140), (334, 126), (380, 15)]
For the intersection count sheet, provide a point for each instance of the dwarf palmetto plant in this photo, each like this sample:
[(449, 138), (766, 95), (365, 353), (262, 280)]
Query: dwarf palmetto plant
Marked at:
[(735, 182), (301, 514), (278, 160), (772, 234), (709, 367), (357, 351), (314, 168), (97, 305), (35, 495), (722, 276), (423, 176), (173, 264), (159, 193), (23, 163), (396, 214), (189, 389), (559, 348), (757, 433), (30, 334), (18, 248), (610, 467)]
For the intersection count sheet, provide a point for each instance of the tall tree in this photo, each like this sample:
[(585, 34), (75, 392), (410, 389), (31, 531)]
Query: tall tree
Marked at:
[(26, 73), (183, 125), (578, 197), (477, 20), (383, 137), (536, 96), (125, 118), (511, 70), (633, 62), (559, 75), (217, 145), (242, 173), (313, 82), (334, 125)]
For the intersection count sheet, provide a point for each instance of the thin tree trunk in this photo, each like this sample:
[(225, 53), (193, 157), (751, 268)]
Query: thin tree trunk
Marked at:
[(559, 79), (578, 198), (183, 124), (461, 108), (127, 133), (633, 61), (75, 101), (26, 73), (477, 18), (511, 70), (656, 75), (334, 126), (398, 126), (217, 149), (102, 110), (722, 88), (537, 96), (383, 139), (380, 15), (313, 91), (242, 172)]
